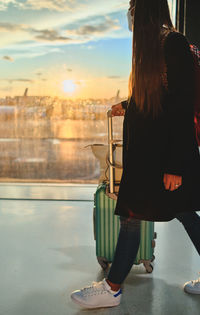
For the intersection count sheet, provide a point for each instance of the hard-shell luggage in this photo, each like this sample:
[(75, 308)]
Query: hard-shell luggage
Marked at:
[(106, 224), (106, 230)]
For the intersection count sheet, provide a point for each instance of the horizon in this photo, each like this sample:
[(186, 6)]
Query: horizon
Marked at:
[(70, 49)]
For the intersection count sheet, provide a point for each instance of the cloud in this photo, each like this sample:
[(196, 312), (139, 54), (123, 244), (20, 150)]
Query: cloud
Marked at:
[(39, 71), (22, 80), (88, 29), (8, 58), (31, 49), (113, 77), (52, 5), (61, 5), (66, 68), (30, 38), (49, 35), (5, 3), (39, 74), (10, 27), (18, 80)]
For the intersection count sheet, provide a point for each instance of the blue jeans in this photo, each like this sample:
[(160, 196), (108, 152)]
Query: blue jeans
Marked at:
[(129, 241)]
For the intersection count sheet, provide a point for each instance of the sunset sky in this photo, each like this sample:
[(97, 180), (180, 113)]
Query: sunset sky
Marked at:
[(67, 48)]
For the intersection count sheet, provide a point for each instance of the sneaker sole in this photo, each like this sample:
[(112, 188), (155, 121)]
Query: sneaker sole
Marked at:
[(191, 291), (90, 306)]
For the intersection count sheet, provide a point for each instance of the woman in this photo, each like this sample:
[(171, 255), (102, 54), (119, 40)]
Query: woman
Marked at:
[(161, 161)]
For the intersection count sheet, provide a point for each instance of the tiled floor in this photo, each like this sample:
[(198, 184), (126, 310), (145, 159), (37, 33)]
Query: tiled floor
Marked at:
[(47, 250)]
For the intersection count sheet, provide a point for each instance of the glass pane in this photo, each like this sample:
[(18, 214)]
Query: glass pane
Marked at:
[(64, 63), (58, 79), (172, 6)]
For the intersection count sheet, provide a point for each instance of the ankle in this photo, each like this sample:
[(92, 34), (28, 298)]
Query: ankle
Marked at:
[(113, 286)]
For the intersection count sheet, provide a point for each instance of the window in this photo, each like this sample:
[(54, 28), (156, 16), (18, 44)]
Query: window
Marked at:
[(64, 63), (172, 6)]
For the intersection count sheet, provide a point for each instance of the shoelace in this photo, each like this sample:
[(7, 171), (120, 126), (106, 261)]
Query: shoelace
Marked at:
[(196, 281), (95, 288)]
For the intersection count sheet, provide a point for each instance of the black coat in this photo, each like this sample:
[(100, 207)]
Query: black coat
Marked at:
[(167, 144)]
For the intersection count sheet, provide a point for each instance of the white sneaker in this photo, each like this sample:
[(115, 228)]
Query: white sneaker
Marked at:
[(192, 287), (99, 294)]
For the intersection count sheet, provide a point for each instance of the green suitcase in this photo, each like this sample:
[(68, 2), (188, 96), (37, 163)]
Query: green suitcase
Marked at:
[(106, 230)]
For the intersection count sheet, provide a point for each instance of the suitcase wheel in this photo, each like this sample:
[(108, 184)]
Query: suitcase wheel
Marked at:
[(103, 262), (148, 266)]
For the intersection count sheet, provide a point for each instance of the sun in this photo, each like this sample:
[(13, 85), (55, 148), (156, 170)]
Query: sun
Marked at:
[(69, 86)]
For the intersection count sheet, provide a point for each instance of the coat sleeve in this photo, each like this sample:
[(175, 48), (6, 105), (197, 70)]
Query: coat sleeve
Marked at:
[(124, 104), (179, 103)]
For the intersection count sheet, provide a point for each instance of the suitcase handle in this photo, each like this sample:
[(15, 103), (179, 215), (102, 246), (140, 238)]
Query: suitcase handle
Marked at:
[(112, 144), (110, 151)]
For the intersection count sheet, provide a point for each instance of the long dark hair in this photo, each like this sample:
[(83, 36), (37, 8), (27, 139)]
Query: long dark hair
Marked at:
[(151, 23)]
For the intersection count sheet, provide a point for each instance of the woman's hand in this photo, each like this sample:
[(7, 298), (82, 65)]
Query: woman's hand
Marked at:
[(172, 182), (117, 110)]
